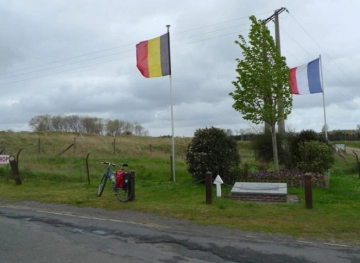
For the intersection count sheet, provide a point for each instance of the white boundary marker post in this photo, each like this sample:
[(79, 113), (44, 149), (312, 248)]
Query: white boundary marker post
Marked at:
[(218, 181)]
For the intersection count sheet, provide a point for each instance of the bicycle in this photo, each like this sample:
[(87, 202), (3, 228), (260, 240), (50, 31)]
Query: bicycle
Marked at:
[(121, 184)]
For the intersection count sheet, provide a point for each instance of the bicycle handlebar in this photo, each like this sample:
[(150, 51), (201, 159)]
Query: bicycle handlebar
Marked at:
[(113, 164)]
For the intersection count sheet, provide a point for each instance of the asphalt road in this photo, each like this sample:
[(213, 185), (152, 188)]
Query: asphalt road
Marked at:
[(36, 232)]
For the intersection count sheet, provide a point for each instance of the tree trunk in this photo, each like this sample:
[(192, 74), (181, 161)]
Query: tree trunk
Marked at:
[(274, 145)]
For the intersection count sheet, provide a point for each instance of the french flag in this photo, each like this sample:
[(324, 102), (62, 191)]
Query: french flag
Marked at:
[(305, 79)]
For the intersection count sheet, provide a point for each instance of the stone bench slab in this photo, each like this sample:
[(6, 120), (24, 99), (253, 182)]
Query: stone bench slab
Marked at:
[(259, 188)]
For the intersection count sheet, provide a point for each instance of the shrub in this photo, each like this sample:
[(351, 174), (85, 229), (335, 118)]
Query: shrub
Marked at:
[(315, 157), (238, 172), (308, 135), (294, 141), (212, 150), (261, 144)]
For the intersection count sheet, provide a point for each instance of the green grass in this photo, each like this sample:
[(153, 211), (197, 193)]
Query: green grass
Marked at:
[(63, 179)]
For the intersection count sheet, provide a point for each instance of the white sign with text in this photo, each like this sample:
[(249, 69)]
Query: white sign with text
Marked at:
[(4, 159)]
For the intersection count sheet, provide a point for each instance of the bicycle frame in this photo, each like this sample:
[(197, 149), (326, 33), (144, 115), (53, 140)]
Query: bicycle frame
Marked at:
[(125, 191)]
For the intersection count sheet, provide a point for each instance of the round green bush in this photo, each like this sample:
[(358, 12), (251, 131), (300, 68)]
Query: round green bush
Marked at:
[(316, 156), (212, 150)]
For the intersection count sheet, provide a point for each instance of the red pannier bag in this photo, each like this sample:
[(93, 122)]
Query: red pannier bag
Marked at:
[(120, 178)]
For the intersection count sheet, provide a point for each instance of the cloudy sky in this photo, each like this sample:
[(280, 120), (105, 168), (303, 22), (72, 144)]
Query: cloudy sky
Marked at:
[(65, 57)]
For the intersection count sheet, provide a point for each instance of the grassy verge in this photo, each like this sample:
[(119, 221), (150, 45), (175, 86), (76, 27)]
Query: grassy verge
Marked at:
[(335, 215)]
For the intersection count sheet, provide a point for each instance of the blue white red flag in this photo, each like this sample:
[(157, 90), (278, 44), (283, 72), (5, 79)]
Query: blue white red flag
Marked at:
[(305, 79)]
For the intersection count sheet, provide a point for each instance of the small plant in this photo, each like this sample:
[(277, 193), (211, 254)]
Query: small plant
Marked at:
[(262, 165)]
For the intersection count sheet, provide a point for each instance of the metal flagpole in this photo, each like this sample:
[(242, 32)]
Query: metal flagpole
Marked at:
[(172, 112), (323, 92)]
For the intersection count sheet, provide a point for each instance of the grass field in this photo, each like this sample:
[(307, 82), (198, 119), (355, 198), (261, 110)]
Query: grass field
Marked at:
[(50, 177)]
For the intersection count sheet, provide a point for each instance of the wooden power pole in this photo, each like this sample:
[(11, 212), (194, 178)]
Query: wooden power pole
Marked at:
[(281, 122)]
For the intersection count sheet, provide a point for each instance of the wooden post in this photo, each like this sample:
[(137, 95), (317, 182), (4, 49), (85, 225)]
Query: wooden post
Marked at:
[(74, 150), (15, 170), (38, 145), (87, 168), (17, 158), (358, 163), (7, 171), (114, 146), (132, 178), (3, 149), (308, 191), (208, 182), (171, 169), (71, 145)]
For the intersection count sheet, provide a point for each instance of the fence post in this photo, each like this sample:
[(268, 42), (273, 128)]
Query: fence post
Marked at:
[(17, 157), (208, 182), (171, 169), (132, 178), (74, 150), (358, 163), (114, 146), (87, 168), (308, 191), (38, 145), (15, 170)]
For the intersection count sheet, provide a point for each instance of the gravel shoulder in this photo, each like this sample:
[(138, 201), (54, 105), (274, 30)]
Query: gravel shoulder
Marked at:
[(350, 150)]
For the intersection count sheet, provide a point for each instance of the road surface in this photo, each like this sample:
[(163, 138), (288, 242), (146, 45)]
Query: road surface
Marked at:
[(38, 232)]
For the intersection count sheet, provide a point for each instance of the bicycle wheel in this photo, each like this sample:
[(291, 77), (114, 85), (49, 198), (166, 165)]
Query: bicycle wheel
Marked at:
[(102, 185), (125, 193)]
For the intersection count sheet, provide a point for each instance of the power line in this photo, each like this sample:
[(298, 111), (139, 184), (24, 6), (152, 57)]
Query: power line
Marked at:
[(122, 46), (58, 66), (55, 73), (173, 40), (80, 61), (104, 62), (61, 60), (336, 81), (321, 48), (219, 23), (91, 59)]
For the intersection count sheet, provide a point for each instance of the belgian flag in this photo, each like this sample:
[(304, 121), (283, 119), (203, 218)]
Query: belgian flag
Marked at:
[(153, 57)]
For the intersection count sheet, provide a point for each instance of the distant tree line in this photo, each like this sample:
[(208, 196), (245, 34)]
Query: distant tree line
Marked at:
[(90, 125), (333, 135), (344, 135)]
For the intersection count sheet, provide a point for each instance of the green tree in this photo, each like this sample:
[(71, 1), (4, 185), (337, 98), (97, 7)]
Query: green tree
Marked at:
[(262, 80), (212, 150)]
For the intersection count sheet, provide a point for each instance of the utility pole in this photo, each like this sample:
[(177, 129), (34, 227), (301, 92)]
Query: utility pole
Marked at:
[(281, 122)]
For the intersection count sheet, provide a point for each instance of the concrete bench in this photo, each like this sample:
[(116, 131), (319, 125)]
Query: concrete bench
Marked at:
[(259, 192)]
